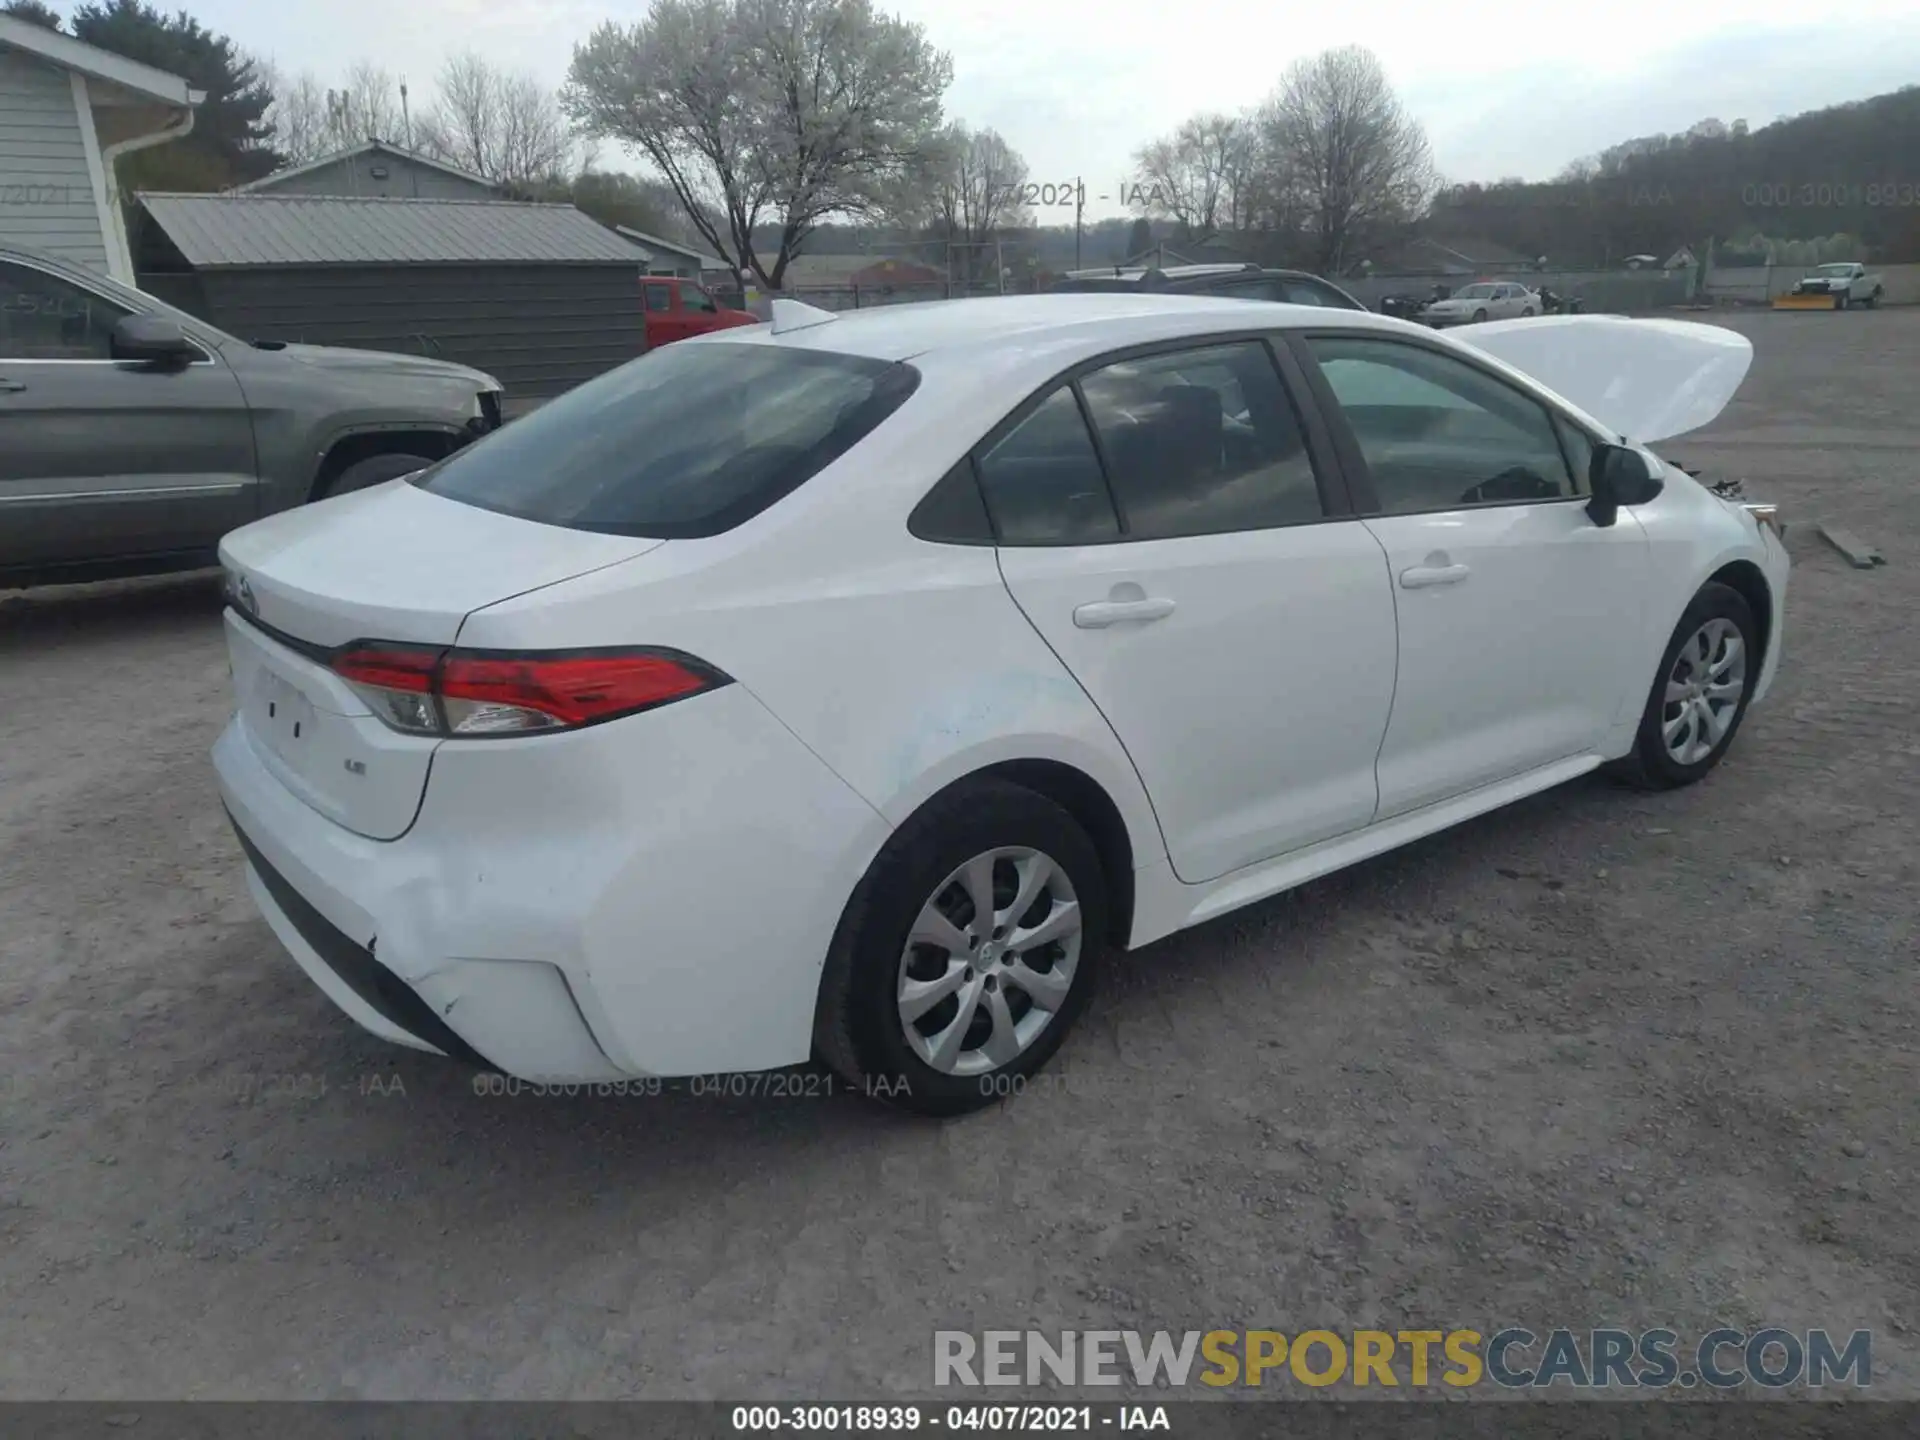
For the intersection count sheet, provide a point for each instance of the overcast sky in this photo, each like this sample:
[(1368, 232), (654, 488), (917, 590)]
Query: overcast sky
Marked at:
[(1503, 87)]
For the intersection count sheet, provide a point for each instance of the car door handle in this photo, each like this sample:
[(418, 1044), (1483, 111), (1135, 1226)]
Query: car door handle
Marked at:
[(12, 387), (1422, 576), (1103, 613)]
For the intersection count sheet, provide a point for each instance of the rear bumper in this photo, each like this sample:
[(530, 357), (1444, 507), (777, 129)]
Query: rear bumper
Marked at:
[(373, 995), (654, 896)]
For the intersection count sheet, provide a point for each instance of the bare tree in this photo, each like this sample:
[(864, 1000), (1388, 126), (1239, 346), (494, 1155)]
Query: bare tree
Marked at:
[(1335, 134), (765, 111), (366, 107), (1200, 177), (979, 184), (298, 115), (535, 142), (464, 121)]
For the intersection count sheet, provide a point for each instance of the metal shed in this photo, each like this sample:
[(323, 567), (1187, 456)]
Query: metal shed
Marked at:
[(542, 296)]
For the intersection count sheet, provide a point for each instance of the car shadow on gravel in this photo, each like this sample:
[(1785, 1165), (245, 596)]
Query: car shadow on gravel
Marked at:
[(110, 610)]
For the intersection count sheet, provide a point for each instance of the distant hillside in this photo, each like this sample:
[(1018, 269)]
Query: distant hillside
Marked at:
[(1847, 171)]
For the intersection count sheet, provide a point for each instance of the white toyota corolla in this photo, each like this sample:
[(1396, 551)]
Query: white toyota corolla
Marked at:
[(855, 686)]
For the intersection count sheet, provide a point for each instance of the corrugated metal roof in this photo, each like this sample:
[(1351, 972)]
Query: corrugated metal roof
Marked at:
[(216, 231), (655, 242)]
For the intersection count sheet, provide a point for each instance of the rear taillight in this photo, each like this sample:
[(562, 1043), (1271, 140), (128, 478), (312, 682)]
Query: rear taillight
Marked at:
[(396, 681), (477, 693)]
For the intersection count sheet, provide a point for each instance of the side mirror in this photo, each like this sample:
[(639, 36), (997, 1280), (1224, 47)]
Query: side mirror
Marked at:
[(152, 340), (1618, 476)]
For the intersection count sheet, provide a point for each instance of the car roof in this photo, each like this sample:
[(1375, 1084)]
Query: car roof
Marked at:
[(1100, 319)]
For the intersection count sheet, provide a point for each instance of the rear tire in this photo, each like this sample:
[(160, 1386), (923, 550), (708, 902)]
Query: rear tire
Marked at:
[(374, 470), (922, 1006), (1699, 695)]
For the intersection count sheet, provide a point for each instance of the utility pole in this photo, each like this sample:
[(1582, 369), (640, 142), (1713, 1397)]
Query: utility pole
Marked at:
[(406, 118), (1079, 209), (999, 265)]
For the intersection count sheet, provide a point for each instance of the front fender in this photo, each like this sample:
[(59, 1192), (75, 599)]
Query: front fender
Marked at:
[(1692, 536)]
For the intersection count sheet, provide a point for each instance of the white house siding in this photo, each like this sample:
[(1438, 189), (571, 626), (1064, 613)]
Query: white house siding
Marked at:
[(46, 191)]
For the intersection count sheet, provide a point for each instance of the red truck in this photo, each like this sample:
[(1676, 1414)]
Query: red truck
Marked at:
[(678, 308)]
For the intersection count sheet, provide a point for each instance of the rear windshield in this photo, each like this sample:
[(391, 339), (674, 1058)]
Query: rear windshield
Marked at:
[(691, 439)]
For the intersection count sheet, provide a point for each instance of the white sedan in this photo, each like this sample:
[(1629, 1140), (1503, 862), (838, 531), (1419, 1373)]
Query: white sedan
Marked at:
[(1483, 301), (854, 687)]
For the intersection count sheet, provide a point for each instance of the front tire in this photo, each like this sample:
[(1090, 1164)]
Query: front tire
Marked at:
[(924, 1005), (1699, 694), (1479, 316)]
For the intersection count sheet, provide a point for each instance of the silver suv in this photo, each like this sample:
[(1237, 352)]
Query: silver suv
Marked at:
[(133, 436)]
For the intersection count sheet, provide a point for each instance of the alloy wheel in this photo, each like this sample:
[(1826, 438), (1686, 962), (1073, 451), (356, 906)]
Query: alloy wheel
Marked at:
[(990, 961), (1704, 689)]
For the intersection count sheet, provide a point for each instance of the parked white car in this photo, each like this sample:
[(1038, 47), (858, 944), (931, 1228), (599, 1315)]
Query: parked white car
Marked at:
[(855, 686), (1850, 281), (1485, 300)]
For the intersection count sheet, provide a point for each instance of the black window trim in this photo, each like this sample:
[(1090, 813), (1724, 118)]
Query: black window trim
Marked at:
[(963, 472), (1330, 475), (1359, 474)]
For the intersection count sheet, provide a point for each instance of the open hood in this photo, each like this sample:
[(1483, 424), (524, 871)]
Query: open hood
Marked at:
[(1646, 379)]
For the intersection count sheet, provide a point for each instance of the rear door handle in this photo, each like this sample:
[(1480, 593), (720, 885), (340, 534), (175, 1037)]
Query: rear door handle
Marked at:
[(1103, 613), (1422, 576), (12, 387)]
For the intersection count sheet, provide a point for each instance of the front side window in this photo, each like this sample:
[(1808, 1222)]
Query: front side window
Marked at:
[(1437, 433), (689, 440), (1200, 442), (43, 317), (694, 298), (1042, 480)]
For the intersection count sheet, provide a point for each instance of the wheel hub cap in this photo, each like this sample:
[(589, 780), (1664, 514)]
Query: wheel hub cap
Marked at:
[(989, 961), (1703, 691)]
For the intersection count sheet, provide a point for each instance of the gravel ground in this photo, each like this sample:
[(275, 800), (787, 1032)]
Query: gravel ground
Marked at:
[(1601, 1058)]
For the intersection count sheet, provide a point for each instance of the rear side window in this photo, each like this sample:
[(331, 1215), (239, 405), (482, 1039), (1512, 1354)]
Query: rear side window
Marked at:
[(659, 297), (1043, 483), (692, 439), (1202, 442)]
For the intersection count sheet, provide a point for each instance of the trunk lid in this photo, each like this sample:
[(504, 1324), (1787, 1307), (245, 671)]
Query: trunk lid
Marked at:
[(395, 562), (389, 563), (1645, 379)]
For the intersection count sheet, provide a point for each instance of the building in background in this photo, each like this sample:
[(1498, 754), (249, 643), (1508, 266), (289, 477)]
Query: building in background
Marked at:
[(68, 110), (377, 170), (542, 296), (670, 257)]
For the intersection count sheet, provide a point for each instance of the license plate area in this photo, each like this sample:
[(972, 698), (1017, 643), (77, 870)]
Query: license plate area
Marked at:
[(284, 716)]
